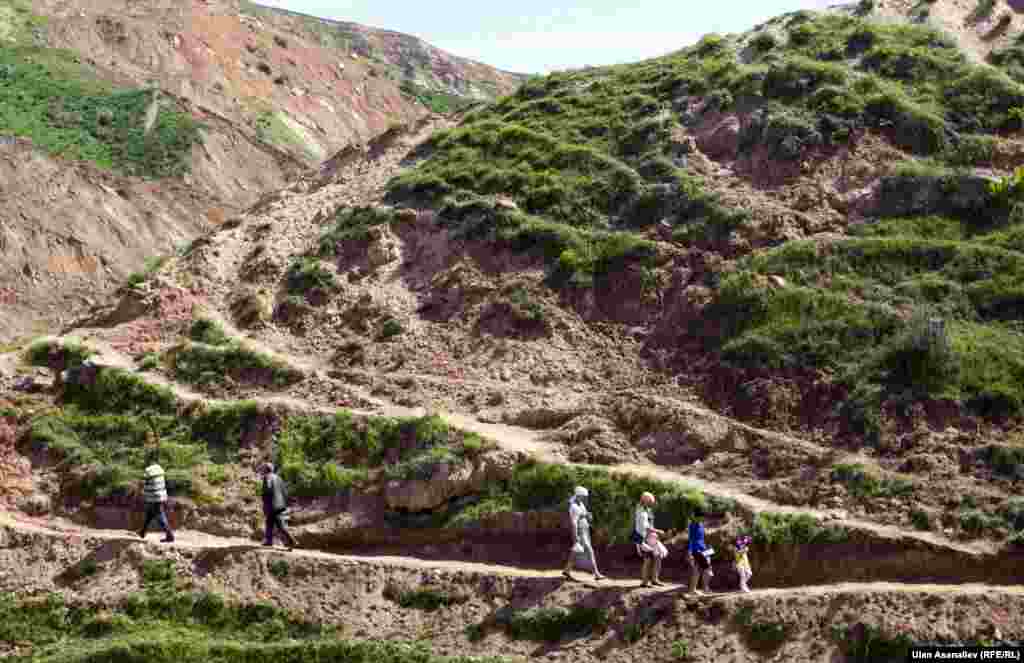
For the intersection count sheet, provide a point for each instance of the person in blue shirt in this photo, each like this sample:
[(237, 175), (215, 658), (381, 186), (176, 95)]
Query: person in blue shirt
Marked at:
[(699, 553)]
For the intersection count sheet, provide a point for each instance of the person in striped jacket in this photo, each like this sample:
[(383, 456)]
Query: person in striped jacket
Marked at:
[(155, 490)]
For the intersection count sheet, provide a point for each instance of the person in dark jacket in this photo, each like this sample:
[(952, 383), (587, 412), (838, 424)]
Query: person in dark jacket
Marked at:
[(275, 501), (155, 491)]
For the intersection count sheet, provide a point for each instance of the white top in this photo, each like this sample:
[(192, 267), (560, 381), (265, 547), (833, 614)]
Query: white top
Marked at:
[(644, 521), (575, 511)]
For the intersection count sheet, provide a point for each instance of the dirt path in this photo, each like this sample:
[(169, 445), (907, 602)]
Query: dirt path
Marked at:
[(198, 541), (532, 443)]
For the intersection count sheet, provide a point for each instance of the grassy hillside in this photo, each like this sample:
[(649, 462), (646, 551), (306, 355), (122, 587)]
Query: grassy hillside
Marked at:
[(164, 623), (593, 159), (50, 97)]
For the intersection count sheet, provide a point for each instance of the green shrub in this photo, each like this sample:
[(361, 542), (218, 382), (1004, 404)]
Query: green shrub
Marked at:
[(150, 361), (65, 108), (681, 650), (553, 624), (977, 522), (352, 225), (865, 643), (920, 519), (764, 41), (209, 332), (390, 328), (786, 529), (58, 354), (278, 568), (151, 267), (205, 365), (120, 391), (307, 274), (423, 598), (157, 571), (863, 484)]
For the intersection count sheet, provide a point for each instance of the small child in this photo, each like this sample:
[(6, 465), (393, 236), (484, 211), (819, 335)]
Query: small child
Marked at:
[(743, 562)]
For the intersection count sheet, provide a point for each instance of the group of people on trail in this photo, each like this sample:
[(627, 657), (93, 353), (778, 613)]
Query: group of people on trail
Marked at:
[(649, 546), (645, 536), (275, 503)]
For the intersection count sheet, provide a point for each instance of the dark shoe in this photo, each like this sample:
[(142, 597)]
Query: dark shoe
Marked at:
[(645, 583), (598, 576), (167, 539), (657, 583), (268, 544), (142, 535), (567, 575)]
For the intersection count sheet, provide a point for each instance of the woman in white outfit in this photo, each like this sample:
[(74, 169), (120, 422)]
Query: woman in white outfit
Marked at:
[(579, 520), (648, 546)]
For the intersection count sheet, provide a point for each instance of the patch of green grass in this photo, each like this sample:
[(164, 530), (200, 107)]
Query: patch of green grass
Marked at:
[(306, 274), (391, 328), (149, 362), (271, 128), (209, 332), (352, 228), (278, 568), (681, 650), (865, 643), (920, 520), (58, 354), (205, 365), (840, 311), (862, 483), (541, 486), (151, 267), (786, 529), (61, 104), (427, 599), (977, 522), (553, 624), (157, 571), (436, 102), (121, 392)]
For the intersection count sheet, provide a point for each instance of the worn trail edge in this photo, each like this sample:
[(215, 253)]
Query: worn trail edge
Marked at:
[(197, 541)]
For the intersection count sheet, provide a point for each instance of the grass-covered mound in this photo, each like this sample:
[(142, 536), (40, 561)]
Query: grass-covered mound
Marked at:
[(164, 624), (102, 436), (589, 156), (52, 98), (538, 486)]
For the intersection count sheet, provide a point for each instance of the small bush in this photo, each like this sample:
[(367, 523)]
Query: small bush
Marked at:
[(863, 484), (763, 42), (211, 365), (977, 522), (864, 643), (307, 274), (149, 362), (786, 529), (209, 332), (58, 354), (157, 571), (681, 650), (920, 519), (554, 624), (391, 328), (424, 598), (278, 568), (152, 266), (1013, 513)]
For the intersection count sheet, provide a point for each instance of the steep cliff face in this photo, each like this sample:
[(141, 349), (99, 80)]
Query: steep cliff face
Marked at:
[(238, 100)]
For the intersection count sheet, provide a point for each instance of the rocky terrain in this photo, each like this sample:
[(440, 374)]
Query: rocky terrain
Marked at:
[(774, 274), (248, 99)]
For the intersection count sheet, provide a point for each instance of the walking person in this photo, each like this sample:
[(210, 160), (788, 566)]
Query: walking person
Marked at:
[(648, 545), (275, 502), (580, 521), (700, 554), (743, 562), (155, 496)]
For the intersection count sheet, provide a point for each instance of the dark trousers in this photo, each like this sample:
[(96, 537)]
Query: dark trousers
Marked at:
[(156, 510), (274, 522)]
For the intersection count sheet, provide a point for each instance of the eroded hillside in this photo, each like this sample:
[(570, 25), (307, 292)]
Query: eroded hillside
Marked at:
[(775, 274), (172, 118)]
